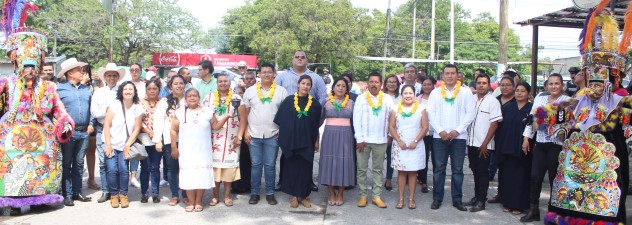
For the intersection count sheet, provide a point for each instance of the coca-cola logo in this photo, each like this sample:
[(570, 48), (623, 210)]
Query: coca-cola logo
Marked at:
[(170, 59)]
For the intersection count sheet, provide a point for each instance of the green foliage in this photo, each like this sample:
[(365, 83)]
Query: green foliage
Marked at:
[(83, 28)]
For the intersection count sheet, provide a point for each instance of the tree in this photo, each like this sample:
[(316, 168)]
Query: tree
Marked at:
[(330, 31), (82, 29)]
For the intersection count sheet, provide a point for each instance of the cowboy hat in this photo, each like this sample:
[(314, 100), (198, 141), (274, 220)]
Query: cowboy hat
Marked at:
[(68, 65), (110, 67)]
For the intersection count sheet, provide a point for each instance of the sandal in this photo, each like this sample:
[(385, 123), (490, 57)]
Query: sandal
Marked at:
[(411, 204), (400, 204), (174, 201), (213, 202), (228, 202), (294, 202), (331, 202), (516, 212), (198, 208), (506, 210), (189, 208)]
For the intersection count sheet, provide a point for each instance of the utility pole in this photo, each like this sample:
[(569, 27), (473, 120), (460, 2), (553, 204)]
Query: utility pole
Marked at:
[(414, 26), (386, 36), (452, 32), (432, 32), (503, 36)]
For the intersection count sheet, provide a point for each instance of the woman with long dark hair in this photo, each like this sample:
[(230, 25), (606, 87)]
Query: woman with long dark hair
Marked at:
[(165, 112)]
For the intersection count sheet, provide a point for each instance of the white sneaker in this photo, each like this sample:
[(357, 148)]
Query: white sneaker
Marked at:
[(163, 183), (135, 183)]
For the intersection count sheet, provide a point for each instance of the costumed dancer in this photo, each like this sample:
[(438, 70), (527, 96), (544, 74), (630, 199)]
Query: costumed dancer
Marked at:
[(591, 180), (33, 122)]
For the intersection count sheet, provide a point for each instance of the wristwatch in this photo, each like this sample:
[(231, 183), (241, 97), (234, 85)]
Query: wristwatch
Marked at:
[(416, 141)]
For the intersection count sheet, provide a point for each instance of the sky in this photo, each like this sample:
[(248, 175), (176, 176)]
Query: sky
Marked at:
[(557, 42)]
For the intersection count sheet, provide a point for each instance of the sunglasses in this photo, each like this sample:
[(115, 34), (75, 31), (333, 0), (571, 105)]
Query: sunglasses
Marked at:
[(299, 57)]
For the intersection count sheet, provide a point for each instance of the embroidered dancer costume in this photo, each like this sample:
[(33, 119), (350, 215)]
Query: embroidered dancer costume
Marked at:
[(592, 177), (33, 122)]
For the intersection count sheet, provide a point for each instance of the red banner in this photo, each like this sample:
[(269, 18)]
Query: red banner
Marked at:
[(193, 59)]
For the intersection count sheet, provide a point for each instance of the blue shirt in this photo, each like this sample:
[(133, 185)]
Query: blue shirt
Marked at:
[(164, 92), (289, 80), (76, 99)]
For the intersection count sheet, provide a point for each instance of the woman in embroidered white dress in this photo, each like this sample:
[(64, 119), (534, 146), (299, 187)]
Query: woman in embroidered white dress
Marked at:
[(408, 126), (191, 126), (225, 142)]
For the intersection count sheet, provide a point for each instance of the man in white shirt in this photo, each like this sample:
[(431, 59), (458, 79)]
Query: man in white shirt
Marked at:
[(480, 140), (450, 111), (410, 74), (259, 131), (100, 100), (370, 121)]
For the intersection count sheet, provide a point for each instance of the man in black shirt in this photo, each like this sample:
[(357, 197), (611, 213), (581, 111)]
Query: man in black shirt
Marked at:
[(571, 87)]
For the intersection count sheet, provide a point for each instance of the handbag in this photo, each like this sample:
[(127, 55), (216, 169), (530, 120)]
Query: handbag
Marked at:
[(137, 150)]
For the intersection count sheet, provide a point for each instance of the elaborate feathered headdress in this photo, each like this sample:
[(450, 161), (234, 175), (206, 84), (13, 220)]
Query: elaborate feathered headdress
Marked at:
[(603, 55), (26, 45)]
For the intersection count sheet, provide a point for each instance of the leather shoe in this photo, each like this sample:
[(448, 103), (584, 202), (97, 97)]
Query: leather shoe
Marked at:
[(144, 199), (459, 205), (379, 203), (362, 202), (81, 198), (471, 202), (435, 204), (155, 199), (104, 198), (254, 199), (314, 187), (271, 199), (478, 206), (495, 199), (69, 202)]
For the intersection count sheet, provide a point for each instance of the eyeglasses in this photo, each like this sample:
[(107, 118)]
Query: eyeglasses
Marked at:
[(134, 70), (299, 57)]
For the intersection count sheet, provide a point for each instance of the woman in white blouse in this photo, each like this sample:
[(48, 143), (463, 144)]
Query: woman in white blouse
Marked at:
[(546, 150), (120, 129), (165, 111)]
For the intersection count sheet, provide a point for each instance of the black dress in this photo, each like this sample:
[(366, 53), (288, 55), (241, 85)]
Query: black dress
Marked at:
[(297, 139), (514, 166)]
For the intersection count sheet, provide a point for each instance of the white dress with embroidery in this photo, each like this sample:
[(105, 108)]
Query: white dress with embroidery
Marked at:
[(195, 147)]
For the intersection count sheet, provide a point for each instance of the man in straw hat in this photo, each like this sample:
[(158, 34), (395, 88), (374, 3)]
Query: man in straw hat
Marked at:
[(76, 98), (111, 74), (33, 120)]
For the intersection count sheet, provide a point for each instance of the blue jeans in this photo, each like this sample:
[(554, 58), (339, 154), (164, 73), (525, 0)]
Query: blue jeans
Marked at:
[(133, 166), (455, 150), (263, 154), (118, 173), (150, 166), (73, 153), (101, 155), (173, 170)]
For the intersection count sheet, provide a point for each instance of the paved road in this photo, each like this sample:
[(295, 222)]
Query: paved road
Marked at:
[(243, 213)]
